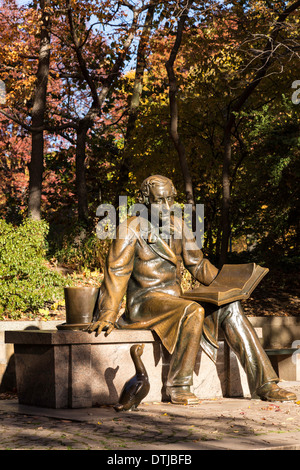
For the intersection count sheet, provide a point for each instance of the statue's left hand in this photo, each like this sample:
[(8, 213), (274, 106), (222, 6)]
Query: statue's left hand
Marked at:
[(101, 325)]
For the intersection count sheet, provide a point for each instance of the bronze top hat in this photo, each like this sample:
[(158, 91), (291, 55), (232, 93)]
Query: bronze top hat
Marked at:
[(80, 306)]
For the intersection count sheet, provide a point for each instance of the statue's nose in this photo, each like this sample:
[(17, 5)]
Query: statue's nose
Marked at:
[(167, 203)]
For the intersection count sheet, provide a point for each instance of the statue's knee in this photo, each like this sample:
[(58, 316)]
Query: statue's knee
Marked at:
[(232, 311), (196, 311), (236, 308)]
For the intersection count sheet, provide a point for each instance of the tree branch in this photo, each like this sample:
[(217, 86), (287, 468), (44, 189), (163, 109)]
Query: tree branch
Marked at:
[(58, 128), (268, 54), (80, 58)]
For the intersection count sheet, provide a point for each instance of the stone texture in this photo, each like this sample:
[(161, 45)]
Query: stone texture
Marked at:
[(7, 359), (287, 366), (61, 360), (277, 332), (35, 374), (80, 373)]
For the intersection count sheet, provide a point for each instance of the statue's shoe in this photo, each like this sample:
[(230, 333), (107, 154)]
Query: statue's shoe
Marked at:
[(182, 396), (271, 392)]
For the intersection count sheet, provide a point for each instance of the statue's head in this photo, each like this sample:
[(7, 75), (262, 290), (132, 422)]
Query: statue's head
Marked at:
[(157, 189)]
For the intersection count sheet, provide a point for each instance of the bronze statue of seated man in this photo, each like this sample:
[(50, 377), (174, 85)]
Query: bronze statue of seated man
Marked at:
[(147, 269)]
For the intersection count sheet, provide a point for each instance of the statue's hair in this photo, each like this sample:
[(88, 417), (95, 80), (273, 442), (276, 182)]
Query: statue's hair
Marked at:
[(150, 182)]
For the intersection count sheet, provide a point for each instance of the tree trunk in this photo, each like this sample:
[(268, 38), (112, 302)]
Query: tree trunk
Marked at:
[(36, 164), (126, 164), (188, 185), (226, 227), (81, 188)]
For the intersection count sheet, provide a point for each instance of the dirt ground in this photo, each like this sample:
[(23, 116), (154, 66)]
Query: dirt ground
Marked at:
[(278, 294)]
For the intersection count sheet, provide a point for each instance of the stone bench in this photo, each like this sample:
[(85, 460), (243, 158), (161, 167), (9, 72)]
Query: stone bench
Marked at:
[(63, 368), (280, 337), (286, 362), (75, 369)]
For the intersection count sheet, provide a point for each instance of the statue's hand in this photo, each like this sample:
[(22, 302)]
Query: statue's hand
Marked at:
[(101, 325)]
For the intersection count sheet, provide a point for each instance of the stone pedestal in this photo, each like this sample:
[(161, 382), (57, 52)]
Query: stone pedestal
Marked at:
[(75, 369)]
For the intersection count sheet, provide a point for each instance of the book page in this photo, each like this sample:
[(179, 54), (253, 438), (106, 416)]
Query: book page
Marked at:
[(234, 275)]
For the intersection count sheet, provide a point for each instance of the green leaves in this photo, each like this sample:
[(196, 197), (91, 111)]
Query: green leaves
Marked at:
[(26, 282)]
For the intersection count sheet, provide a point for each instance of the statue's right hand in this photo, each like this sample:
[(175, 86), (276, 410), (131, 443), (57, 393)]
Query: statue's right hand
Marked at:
[(101, 325)]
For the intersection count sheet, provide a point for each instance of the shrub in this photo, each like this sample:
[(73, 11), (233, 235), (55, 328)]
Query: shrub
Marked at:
[(78, 247), (26, 282)]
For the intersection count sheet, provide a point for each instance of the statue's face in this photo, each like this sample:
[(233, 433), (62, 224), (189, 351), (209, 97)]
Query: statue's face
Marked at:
[(161, 199), (162, 195)]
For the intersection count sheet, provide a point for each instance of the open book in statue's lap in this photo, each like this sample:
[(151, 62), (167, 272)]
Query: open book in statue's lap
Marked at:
[(234, 282)]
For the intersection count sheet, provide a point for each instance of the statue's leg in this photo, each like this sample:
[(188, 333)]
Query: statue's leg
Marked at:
[(183, 359), (243, 340)]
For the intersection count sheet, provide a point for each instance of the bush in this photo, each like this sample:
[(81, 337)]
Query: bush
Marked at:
[(26, 282), (77, 247)]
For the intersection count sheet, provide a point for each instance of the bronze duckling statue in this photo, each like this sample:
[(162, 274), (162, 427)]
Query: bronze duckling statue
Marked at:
[(135, 389)]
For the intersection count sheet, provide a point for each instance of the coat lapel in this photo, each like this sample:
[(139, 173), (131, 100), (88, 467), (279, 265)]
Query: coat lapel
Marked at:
[(161, 248), (156, 243)]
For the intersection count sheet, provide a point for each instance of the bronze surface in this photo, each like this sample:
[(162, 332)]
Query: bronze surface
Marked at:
[(80, 306)]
